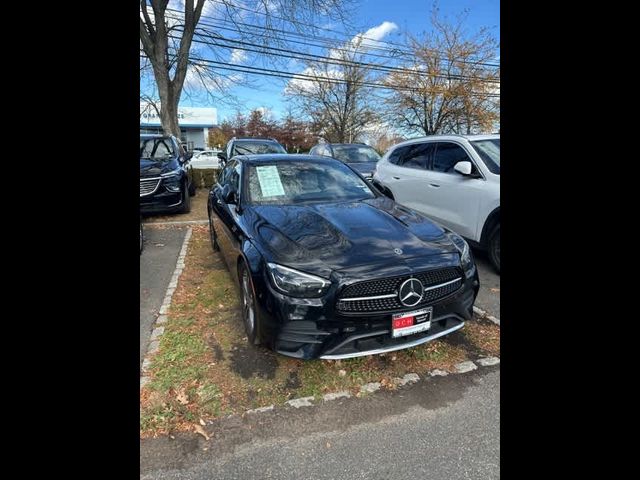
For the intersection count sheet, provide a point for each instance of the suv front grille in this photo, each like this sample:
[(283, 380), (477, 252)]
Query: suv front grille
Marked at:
[(446, 281), (148, 186)]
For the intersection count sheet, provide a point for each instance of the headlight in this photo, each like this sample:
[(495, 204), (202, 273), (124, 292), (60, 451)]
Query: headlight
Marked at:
[(297, 284), (171, 181), (463, 248)]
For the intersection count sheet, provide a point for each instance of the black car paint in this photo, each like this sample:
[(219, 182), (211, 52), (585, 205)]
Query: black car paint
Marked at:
[(344, 242), (163, 200)]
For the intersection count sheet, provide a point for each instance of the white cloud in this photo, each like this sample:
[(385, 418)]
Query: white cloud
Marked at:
[(366, 40), (308, 85), (371, 37), (238, 56)]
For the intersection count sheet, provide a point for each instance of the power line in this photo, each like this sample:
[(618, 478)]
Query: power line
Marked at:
[(395, 50), (286, 53), (300, 76)]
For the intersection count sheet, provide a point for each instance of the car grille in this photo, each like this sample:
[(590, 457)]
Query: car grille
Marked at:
[(148, 186), (450, 280)]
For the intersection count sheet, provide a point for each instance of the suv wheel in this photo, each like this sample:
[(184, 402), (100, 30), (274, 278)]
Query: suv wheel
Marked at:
[(494, 248), (186, 200), (192, 189)]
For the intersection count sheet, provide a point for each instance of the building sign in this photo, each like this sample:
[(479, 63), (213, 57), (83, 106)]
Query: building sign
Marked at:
[(187, 116)]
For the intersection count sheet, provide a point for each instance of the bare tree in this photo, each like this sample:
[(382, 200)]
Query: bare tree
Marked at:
[(450, 87), (166, 38), (336, 97)]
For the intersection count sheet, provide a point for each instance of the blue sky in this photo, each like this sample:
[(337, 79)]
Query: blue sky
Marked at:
[(408, 15)]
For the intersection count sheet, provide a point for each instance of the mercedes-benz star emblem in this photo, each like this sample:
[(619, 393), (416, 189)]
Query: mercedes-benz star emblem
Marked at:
[(398, 251), (411, 292)]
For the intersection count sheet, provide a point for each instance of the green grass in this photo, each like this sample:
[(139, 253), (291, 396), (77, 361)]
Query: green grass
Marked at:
[(178, 361)]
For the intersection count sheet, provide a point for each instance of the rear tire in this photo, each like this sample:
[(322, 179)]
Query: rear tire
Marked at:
[(213, 237), (186, 200), (493, 247), (192, 189)]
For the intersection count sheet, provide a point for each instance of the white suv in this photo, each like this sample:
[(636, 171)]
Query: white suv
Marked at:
[(453, 179)]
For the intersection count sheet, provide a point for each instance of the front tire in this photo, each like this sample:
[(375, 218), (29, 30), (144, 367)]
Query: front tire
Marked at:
[(186, 200), (248, 304), (494, 248)]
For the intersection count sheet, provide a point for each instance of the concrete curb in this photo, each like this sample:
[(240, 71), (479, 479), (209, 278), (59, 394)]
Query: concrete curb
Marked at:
[(370, 388), (483, 314), (161, 319), (184, 222)]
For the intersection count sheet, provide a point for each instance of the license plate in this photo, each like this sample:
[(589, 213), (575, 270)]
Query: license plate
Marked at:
[(409, 323)]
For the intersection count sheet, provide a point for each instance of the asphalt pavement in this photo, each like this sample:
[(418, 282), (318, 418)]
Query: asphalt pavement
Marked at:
[(441, 428), (157, 263), (489, 295)]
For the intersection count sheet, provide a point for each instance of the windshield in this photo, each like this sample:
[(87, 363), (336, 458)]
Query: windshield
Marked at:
[(299, 182), (489, 151), (355, 154), (158, 149), (256, 148)]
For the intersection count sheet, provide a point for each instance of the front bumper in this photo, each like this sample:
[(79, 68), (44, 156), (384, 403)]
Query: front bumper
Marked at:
[(161, 202), (311, 328)]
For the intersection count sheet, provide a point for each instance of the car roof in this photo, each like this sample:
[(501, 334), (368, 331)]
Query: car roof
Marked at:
[(349, 145), (253, 139), (439, 138), (283, 157), (154, 135)]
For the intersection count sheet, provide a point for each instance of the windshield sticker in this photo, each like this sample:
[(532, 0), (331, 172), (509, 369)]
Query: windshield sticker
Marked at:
[(269, 179)]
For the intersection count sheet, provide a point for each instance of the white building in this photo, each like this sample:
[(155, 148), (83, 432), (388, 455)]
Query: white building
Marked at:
[(194, 124)]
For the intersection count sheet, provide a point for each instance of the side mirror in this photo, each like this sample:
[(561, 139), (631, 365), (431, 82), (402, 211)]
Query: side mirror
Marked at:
[(188, 155), (229, 196), (464, 168)]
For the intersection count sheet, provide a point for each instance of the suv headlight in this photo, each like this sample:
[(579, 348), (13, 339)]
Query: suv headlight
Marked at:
[(171, 181), (463, 248), (297, 284)]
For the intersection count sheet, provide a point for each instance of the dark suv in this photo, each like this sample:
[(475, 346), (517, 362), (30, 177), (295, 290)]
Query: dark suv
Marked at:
[(359, 156), (166, 176), (250, 146)]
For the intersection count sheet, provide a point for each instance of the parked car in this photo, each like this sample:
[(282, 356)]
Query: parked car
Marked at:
[(206, 159), (360, 156), (166, 175), (328, 267), (250, 146), (455, 180)]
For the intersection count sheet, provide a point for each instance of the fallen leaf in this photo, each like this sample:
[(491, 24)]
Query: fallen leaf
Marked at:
[(181, 396), (201, 431), (328, 445), (202, 422)]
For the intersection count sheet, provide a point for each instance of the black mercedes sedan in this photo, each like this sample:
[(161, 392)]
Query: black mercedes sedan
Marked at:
[(328, 267)]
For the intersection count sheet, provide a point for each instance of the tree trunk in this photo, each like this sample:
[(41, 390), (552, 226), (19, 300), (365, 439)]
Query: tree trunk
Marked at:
[(168, 106)]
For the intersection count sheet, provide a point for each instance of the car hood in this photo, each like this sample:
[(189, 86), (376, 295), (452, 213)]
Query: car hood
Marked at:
[(154, 168), (320, 238), (363, 167)]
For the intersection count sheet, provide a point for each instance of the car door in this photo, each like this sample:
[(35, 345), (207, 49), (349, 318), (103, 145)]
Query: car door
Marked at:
[(223, 219), (454, 199), (405, 174)]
